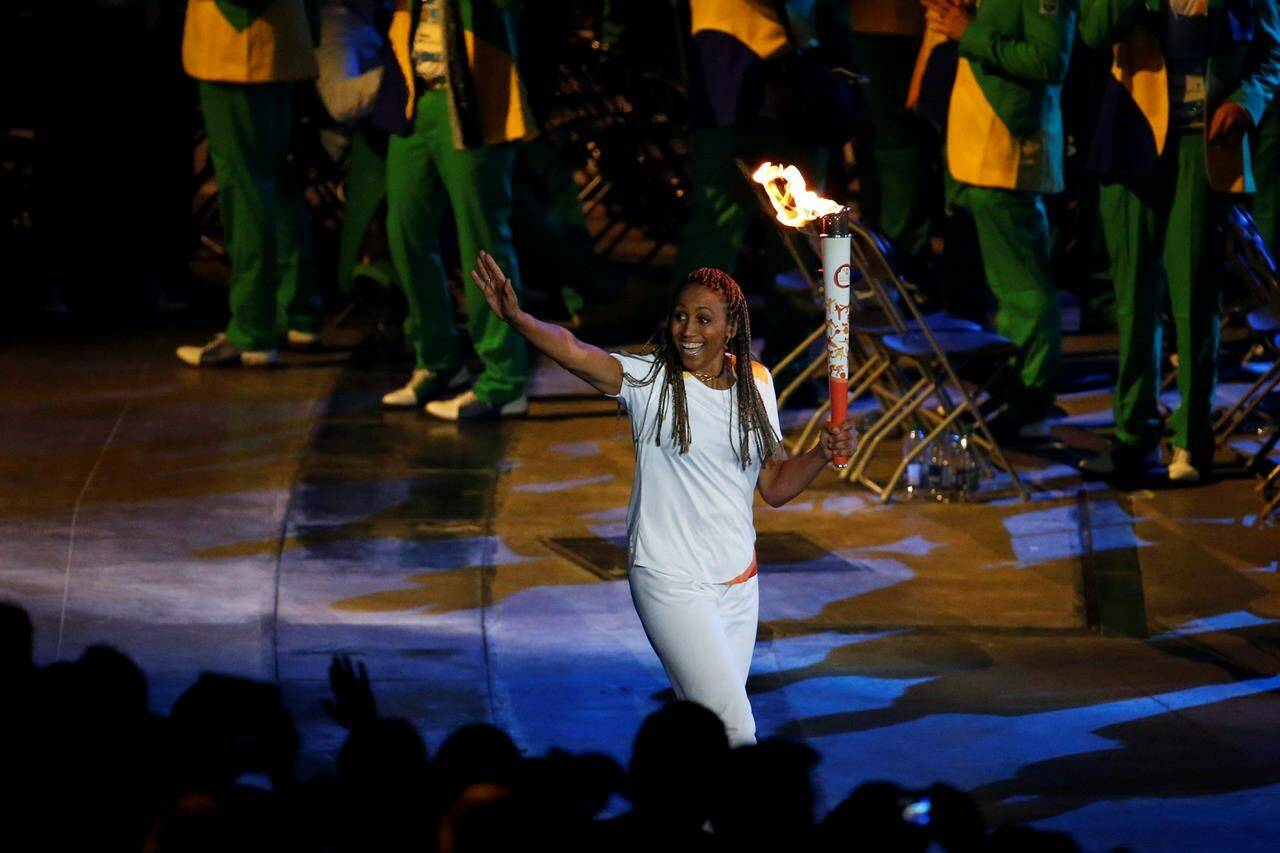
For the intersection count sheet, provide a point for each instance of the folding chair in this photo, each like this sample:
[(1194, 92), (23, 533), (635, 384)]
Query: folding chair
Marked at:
[(911, 345), (886, 348), (1251, 261)]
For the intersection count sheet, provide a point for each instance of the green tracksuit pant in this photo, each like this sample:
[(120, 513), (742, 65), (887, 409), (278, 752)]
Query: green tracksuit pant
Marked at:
[(1013, 236), (427, 175), (264, 216), (365, 187), (551, 230), (895, 185), (1266, 176), (1157, 232), (722, 202)]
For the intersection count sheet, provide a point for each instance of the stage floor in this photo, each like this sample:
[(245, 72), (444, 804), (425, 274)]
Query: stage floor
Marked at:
[(258, 522)]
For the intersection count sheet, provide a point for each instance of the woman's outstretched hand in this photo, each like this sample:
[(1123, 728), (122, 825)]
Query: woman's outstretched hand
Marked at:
[(496, 287), (838, 440)]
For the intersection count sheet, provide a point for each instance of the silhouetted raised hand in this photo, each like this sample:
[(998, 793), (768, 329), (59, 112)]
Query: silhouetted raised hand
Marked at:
[(353, 702)]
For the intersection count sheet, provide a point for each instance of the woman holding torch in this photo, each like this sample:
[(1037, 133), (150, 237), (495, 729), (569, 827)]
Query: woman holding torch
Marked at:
[(704, 419)]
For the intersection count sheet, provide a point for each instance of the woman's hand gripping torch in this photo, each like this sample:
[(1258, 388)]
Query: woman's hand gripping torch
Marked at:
[(834, 236)]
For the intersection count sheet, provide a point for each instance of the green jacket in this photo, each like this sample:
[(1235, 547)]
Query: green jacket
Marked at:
[(1004, 123), (1019, 51), (250, 41), (1133, 124)]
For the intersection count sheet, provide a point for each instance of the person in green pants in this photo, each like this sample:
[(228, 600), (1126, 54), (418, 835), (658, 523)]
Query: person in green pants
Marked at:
[(896, 192), (247, 56), (1004, 152), (1171, 146), (454, 102), (351, 58)]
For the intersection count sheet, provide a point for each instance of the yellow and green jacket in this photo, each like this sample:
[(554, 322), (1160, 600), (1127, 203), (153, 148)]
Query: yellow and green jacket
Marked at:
[(729, 40), (487, 103), (249, 41), (1004, 122), (732, 43), (1133, 122)]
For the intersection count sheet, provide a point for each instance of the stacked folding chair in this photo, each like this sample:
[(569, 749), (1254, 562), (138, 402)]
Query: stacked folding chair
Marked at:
[(907, 360), (930, 353), (1250, 259)]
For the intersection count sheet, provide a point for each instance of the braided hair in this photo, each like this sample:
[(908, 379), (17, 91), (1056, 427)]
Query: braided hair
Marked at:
[(752, 417)]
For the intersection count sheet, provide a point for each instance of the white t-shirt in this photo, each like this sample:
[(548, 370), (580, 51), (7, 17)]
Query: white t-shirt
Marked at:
[(691, 514)]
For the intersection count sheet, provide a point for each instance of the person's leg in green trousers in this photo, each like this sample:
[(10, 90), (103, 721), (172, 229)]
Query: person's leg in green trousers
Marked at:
[(1156, 233), (1266, 176), (249, 128), (365, 188), (422, 169), (416, 207), (895, 191), (1192, 259), (1013, 236), (1134, 220), (718, 204), (297, 296), (550, 226)]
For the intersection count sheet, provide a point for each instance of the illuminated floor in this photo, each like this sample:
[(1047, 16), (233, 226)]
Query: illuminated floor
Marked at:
[(259, 522)]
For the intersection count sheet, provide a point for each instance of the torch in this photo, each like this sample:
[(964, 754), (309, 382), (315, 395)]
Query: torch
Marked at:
[(796, 206), (834, 236)]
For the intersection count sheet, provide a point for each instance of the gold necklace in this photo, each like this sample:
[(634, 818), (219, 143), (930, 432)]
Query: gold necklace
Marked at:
[(707, 377)]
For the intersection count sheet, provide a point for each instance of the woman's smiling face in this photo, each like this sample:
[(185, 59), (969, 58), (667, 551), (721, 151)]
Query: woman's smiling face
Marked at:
[(700, 328)]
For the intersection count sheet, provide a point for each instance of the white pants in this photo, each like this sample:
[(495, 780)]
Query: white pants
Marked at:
[(704, 634)]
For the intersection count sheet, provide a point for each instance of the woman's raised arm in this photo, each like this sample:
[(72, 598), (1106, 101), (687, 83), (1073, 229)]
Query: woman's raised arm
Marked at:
[(589, 363)]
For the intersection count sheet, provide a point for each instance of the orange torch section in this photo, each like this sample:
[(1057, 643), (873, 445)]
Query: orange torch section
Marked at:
[(839, 390)]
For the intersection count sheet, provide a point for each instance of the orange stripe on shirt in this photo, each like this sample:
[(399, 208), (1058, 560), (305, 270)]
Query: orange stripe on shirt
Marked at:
[(752, 571)]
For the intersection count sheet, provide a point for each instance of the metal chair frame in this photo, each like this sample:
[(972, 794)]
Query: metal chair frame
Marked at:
[(937, 377), (1252, 262), (875, 368)]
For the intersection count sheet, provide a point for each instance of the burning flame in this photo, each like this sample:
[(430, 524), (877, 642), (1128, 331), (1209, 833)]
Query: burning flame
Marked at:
[(795, 203)]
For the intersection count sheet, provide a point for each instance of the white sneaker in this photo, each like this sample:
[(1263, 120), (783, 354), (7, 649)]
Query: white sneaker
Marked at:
[(299, 340), (425, 385), (468, 407), (1180, 468), (220, 353)]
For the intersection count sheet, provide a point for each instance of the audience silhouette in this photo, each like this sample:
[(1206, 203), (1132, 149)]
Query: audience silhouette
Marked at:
[(91, 768)]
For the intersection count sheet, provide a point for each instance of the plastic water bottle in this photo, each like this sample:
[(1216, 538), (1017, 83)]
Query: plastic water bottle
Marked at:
[(968, 466), (914, 477), (938, 468)]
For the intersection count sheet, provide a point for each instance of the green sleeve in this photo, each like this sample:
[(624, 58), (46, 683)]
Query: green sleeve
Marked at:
[(1040, 55), (1262, 73), (1103, 22)]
